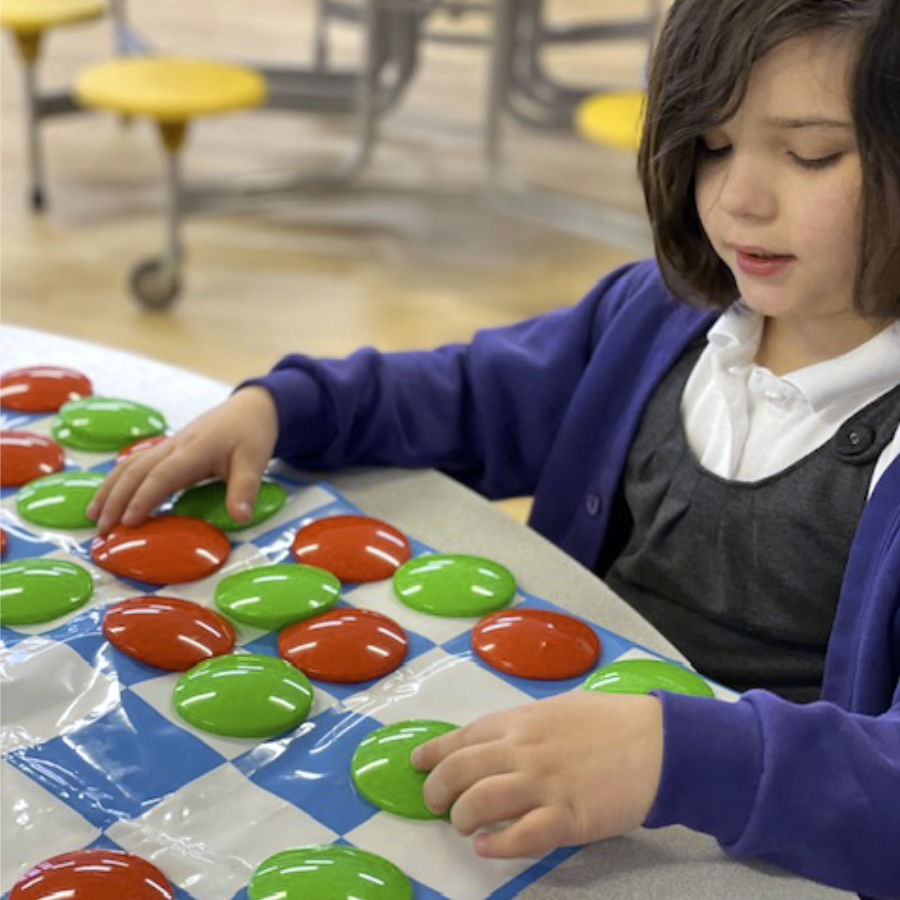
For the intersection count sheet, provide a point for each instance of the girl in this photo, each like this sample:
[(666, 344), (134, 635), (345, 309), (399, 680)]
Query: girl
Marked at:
[(727, 464)]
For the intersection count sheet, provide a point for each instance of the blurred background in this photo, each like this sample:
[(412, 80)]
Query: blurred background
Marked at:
[(428, 242)]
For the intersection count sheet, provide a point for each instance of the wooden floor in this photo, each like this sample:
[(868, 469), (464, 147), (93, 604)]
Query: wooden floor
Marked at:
[(395, 270)]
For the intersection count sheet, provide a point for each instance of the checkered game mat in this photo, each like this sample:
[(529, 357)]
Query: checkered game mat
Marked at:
[(94, 755)]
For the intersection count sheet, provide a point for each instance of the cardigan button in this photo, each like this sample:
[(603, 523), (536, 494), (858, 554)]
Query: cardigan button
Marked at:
[(593, 504), (853, 440)]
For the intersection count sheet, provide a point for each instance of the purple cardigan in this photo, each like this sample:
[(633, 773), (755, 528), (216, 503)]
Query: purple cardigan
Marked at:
[(550, 406)]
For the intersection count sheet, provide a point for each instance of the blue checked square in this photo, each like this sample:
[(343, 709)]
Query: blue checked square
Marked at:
[(418, 548), (80, 632), (312, 770), (267, 644), (12, 420), (532, 874), (21, 544), (108, 770), (105, 657), (9, 637)]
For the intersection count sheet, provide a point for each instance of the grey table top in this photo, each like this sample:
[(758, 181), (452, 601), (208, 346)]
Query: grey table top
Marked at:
[(670, 862)]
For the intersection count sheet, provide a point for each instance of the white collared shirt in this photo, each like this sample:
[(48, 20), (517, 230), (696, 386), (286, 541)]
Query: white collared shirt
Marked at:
[(743, 423)]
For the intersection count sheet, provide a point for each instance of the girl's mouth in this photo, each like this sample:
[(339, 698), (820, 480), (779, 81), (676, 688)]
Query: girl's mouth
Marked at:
[(755, 261)]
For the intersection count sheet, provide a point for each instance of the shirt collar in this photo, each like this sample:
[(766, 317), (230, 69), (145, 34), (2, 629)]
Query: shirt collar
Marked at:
[(734, 337), (871, 367)]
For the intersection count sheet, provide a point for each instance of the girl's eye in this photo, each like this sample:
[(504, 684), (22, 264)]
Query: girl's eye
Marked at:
[(821, 162), (708, 152)]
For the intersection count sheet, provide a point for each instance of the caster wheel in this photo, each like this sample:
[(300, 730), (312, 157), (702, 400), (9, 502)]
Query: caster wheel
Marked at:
[(155, 283)]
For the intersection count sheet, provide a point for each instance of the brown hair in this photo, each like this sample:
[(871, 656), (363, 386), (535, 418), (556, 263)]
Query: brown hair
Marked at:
[(698, 79)]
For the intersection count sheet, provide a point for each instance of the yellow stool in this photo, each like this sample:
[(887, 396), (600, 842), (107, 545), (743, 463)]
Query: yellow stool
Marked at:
[(27, 20), (171, 92), (613, 119)]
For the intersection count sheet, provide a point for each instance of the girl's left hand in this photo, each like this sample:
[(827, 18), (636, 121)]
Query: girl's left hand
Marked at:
[(569, 770)]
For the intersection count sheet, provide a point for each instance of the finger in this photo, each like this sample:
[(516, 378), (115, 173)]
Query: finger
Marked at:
[(176, 471), (498, 798), (115, 492), (462, 769), (488, 728), (112, 478), (535, 834), (95, 507), (244, 477)]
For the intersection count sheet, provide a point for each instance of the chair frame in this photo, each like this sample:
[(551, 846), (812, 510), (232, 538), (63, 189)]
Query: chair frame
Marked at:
[(392, 31)]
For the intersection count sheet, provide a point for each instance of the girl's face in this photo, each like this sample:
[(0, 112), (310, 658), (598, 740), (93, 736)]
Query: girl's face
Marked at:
[(778, 185)]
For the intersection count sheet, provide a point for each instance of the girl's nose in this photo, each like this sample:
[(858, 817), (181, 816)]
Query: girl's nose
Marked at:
[(747, 189)]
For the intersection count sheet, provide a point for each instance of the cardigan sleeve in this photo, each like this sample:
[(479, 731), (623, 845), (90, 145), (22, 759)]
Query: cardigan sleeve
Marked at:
[(485, 412), (812, 788)]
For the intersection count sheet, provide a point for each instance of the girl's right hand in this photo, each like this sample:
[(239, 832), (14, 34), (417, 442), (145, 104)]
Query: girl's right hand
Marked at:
[(233, 441)]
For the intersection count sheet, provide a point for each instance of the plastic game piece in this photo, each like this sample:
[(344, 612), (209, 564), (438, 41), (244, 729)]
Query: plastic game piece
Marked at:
[(38, 589), (244, 695), (59, 500), (4, 540), (344, 645), (42, 388), (138, 446), (273, 596), (330, 872), (355, 548), (164, 550), (536, 643), (640, 676), (25, 456), (207, 501), (167, 632), (105, 423), (98, 874), (454, 584), (383, 774)]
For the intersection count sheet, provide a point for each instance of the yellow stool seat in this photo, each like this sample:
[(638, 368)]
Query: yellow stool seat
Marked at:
[(614, 119), (169, 89), (35, 16)]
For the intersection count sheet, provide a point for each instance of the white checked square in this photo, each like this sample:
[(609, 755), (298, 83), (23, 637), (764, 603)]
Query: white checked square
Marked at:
[(434, 854), (209, 836), (158, 693), (44, 826), (379, 595), (437, 685), (48, 690)]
